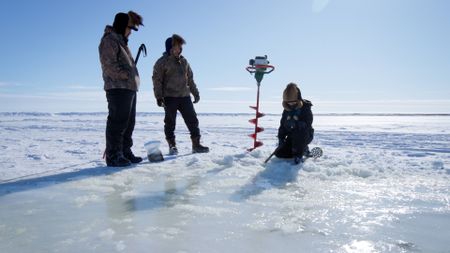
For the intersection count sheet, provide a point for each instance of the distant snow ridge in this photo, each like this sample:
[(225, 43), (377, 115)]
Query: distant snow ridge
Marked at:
[(28, 114)]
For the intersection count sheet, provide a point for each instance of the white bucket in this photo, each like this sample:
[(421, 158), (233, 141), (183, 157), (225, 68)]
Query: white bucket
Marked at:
[(153, 152)]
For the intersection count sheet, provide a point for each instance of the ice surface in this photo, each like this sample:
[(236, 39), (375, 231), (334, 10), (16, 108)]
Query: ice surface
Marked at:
[(382, 186)]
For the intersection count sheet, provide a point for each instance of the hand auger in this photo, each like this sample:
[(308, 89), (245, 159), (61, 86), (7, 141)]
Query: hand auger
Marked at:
[(258, 66), (143, 49)]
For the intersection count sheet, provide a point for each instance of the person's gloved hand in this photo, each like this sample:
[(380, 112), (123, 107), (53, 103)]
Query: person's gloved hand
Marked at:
[(160, 102), (196, 99)]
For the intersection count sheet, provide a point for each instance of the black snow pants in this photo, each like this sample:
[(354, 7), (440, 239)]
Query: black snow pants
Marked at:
[(186, 108), (295, 143), (121, 120)]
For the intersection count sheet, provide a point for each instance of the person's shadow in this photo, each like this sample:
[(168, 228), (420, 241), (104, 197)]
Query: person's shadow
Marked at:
[(277, 174), (46, 181)]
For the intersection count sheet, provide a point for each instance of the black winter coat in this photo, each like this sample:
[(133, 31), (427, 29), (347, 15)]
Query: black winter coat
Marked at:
[(297, 120)]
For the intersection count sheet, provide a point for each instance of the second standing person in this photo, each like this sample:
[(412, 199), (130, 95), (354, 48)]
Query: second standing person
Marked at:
[(173, 82)]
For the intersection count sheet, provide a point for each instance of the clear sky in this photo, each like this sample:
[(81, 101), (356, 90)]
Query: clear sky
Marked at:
[(346, 55)]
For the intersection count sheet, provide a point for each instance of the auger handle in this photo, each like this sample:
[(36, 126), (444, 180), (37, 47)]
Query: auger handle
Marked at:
[(257, 68)]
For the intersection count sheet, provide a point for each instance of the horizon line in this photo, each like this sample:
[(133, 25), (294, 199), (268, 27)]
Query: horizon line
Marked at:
[(36, 113)]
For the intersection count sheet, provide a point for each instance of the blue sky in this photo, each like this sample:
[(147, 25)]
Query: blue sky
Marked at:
[(346, 55)]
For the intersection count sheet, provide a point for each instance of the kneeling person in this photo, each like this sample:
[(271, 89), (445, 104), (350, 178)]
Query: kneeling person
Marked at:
[(295, 131)]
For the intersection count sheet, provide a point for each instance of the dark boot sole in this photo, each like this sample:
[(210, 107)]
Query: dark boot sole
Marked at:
[(137, 160), (200, 151), (118, 165)]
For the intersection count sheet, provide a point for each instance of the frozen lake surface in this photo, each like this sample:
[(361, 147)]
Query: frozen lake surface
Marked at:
[(382, 186)]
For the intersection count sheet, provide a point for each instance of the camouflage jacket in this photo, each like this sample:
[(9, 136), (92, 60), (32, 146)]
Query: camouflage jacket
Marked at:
[(173, 77), (119, 70)]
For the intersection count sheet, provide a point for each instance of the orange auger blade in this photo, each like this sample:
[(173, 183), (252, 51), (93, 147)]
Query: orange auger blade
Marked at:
[(257, 144), (259, 129)]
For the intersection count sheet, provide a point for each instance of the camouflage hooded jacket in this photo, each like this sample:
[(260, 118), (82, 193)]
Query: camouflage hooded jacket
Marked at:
[(119, 70), (173, 77)]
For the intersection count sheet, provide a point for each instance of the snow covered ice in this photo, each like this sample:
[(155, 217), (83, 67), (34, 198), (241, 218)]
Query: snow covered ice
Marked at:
[(382, 186)]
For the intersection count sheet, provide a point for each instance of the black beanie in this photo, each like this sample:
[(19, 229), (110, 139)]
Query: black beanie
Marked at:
[(168, 45), (120, 23)]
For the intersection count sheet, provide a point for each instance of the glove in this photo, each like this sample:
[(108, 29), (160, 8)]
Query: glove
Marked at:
[(160, 102), (196, 99)]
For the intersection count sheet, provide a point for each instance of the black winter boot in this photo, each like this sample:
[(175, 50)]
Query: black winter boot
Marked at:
[(298, 156), (130, 156), (172, 146), (306, 152), (197, 147), (117, 160), (298, 159)]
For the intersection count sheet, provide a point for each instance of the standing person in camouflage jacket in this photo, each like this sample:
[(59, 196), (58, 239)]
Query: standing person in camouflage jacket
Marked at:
[(121, 80), (173, 82)]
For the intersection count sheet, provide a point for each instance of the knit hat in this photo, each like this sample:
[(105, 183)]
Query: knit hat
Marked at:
[(120, 23), (174, 40), (292, 93)]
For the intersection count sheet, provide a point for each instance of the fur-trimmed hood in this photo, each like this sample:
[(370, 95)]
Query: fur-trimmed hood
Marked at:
[(293, 94), (302, 103)]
